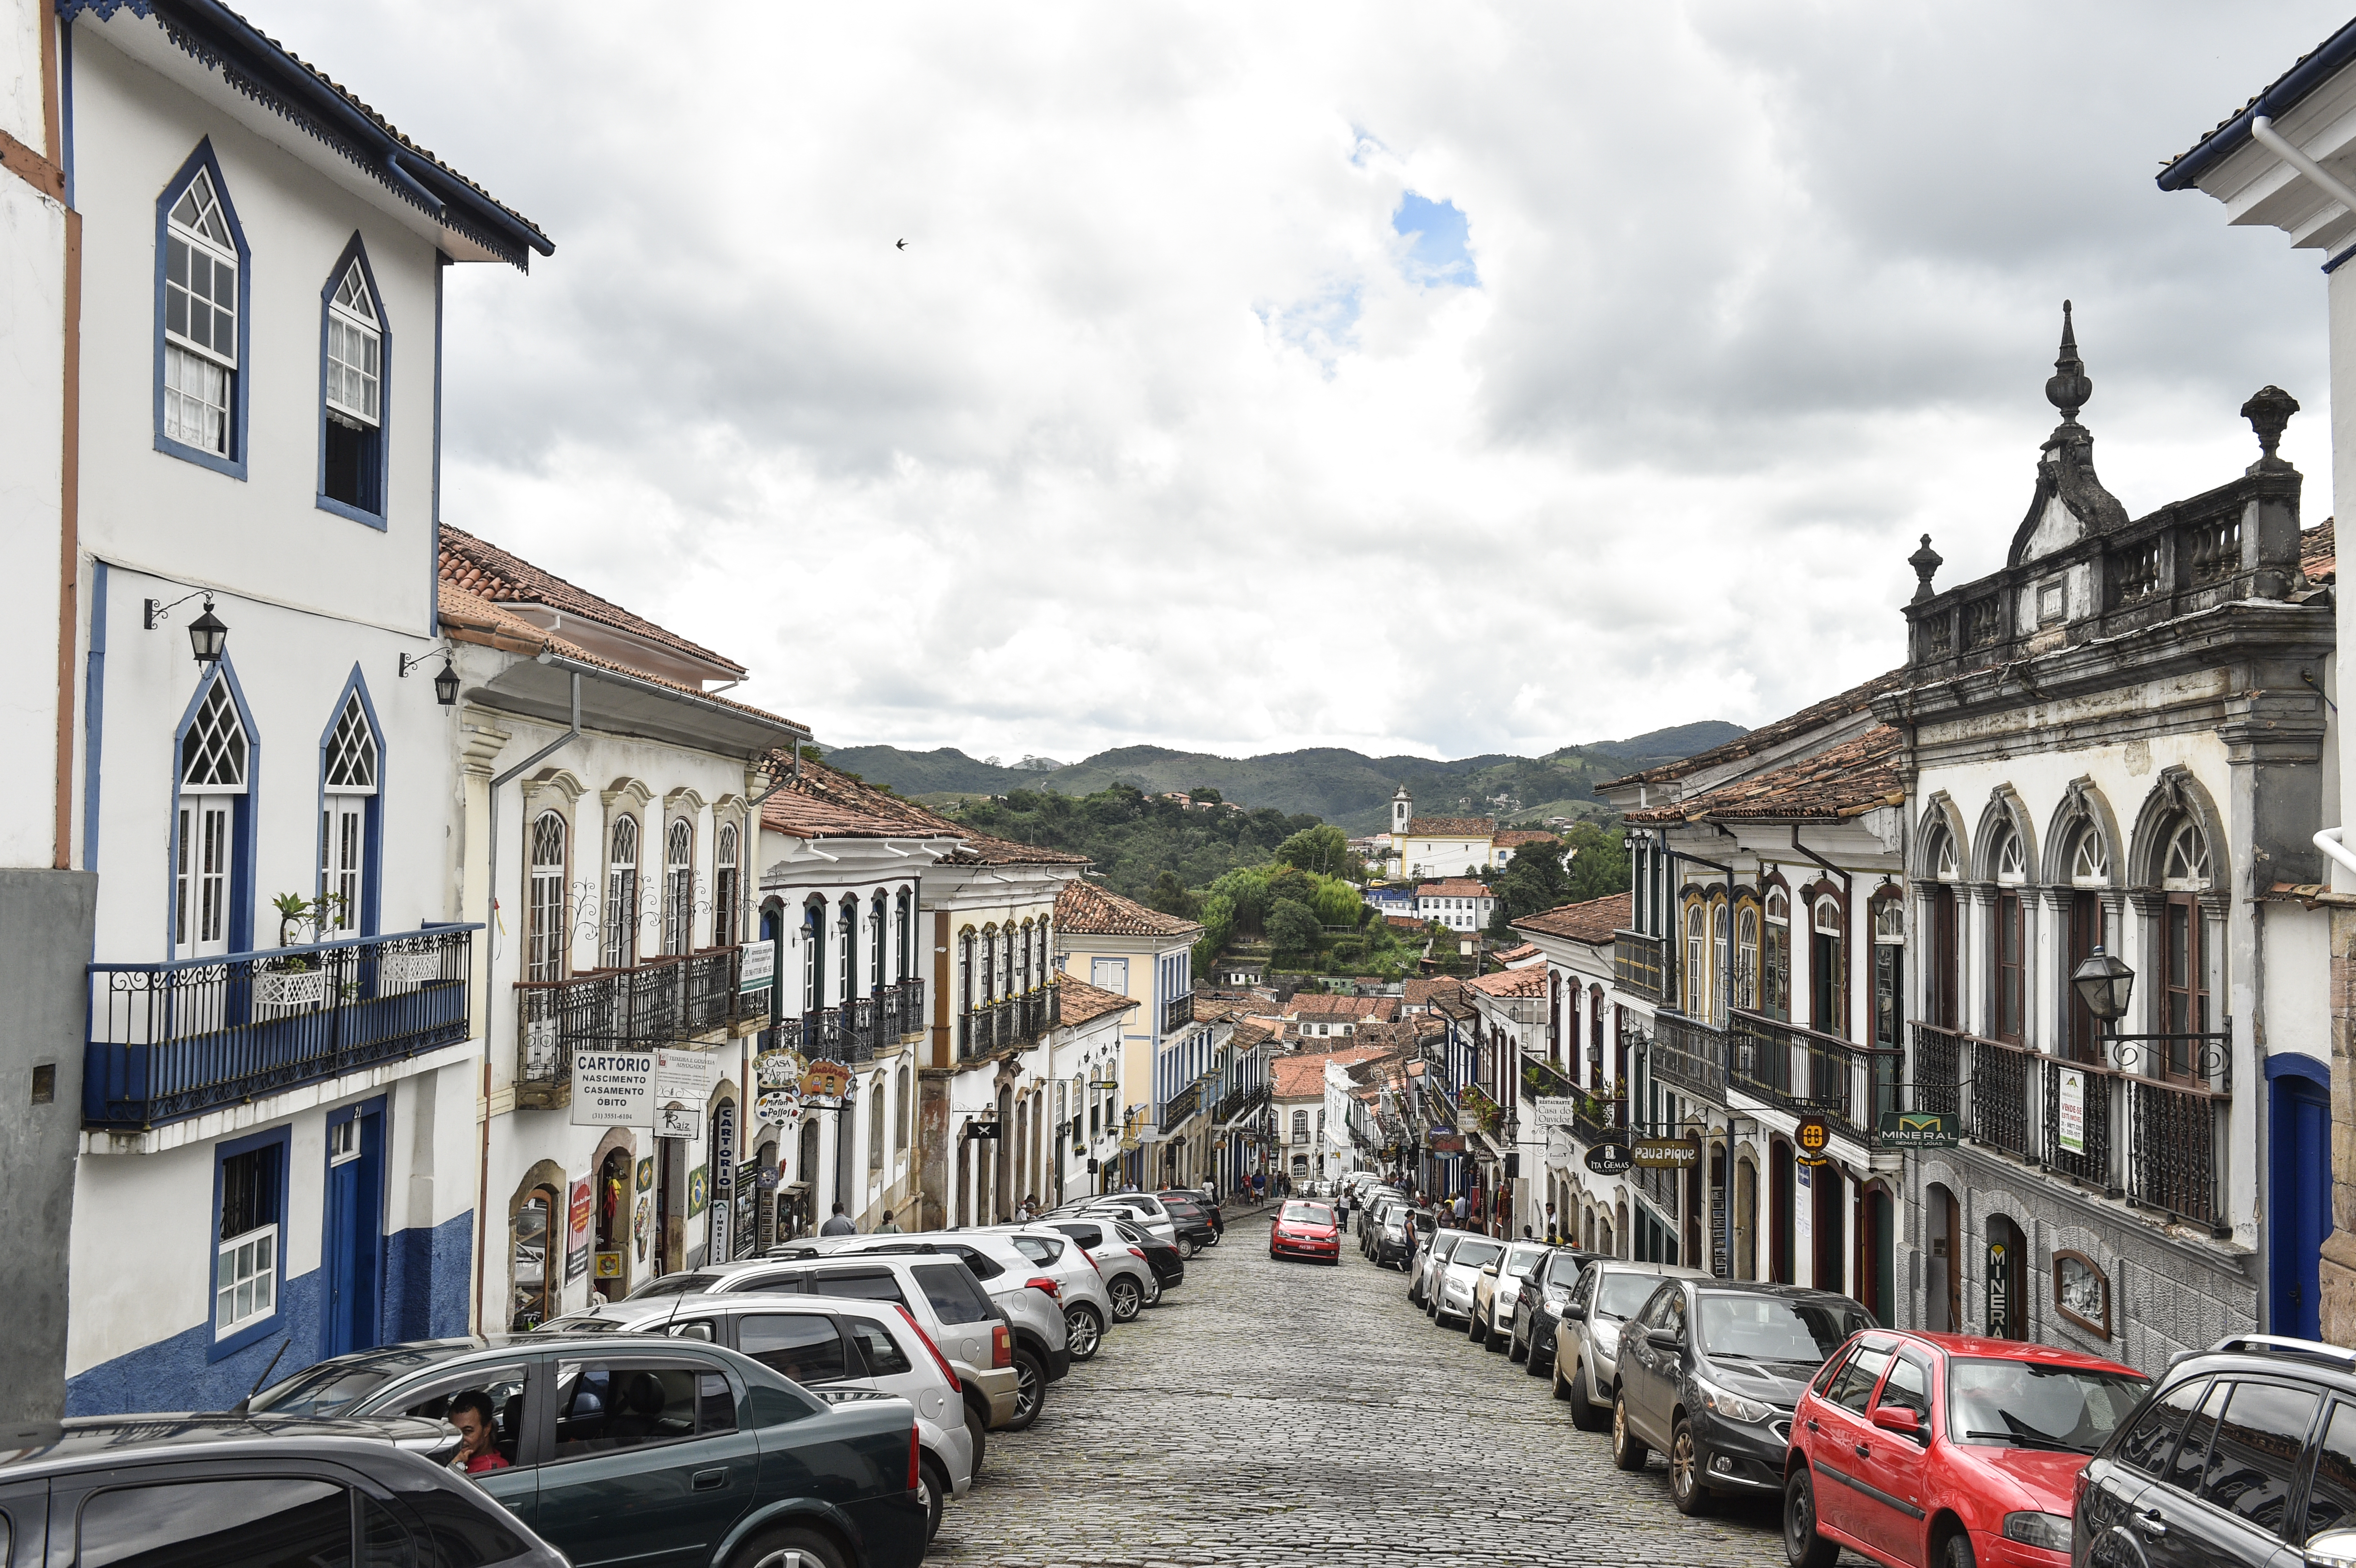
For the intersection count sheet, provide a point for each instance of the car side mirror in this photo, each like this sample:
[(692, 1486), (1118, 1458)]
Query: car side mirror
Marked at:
[(1575, 1314), (692, 1331), (1489, 1268), (2332, 1549), (1664, 1339), (1898, 1418)]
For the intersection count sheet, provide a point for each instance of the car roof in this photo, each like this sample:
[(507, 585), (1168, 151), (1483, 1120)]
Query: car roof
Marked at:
[(664, 1308), (1659, 1271), (1711, 1284), (1982, 1347), (109, 1439)]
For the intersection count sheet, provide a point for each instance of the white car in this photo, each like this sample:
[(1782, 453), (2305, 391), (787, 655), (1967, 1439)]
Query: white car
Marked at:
[(834, 1348), (1130, 1283), (1141, 1208), (1452, 1289)]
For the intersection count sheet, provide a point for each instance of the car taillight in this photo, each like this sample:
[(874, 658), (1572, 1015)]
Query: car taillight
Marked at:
[(1054, 1292), (1137, 1253), (2078, 1492), (915, 1469), (1002, 1347), (938, 1360)]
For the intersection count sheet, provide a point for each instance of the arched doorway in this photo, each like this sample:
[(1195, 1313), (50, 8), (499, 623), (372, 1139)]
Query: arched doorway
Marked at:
[(1876, 1264), (536, 1231), (1828, 1228), (1746, 1220), (1780, 1190), (1942, 1262), (611, 1263), (2006, 1280), (796, 1213)]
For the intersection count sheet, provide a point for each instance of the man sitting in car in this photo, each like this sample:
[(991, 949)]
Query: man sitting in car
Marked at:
[(478, 1433)]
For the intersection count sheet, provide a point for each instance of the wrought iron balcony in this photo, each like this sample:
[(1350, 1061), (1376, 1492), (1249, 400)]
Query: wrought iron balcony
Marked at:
[(2159, 1143), (1240, 1104), (170, 1040), (663, 1001), (1637, 963), (1181, 1107), (1482, 1110), (1542, 1080), (1009, 1023), (1802, 1071), (1690, 1054), (1177, 1013)]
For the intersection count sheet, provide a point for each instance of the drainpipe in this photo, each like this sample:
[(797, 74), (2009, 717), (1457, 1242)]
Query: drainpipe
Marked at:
[(491, 933), (2263, 131), (2328, 839)]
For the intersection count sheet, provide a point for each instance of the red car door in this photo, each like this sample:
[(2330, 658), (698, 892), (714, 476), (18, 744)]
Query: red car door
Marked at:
[(1892, 1471), (1840, 1441)]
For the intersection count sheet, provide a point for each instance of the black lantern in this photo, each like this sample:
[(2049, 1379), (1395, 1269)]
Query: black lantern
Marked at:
[(207, 635), (2104, 983), (445, 684)]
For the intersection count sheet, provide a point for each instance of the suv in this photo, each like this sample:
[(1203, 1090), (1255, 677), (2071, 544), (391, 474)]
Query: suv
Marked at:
[(2243, 1452), (720, 1459), (1588, 1342), (1709, 1371), (225, 1489), (963, 1322), (829, 1347)]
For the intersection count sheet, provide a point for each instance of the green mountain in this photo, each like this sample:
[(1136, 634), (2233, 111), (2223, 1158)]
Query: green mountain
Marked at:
[(1341, 786)]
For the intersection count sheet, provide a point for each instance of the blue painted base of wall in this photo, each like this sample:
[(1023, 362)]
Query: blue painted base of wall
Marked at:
[(426, 1298)]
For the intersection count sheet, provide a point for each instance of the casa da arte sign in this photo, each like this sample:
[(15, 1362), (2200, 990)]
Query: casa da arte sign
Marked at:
[(665, 1089)]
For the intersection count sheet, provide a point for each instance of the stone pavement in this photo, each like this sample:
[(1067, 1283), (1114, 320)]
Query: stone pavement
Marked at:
[(1295, 1415)]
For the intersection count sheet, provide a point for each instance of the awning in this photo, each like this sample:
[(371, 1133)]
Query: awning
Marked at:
[(625, 704)]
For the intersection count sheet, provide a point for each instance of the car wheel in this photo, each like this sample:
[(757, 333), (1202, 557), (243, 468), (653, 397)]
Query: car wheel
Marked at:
[(789, 1548), (1127, 1298), (1802, 1547), (1153, 1290), (977, 1427), (1083, 1331), (1214, 1241), (1534, 1363), (1496, 1337), (1030, 1390), (1185, 1249), (1628, 1450), (1585, 1413), (1959, 1552), (1474, 1330), (932, 1487), (1515, 1350), (1686, 1465)]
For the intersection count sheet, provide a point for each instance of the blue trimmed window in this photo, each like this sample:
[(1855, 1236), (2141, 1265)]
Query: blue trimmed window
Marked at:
[(212, 823), (352, 365), (351, 834), (249, 1240), (202, 292)]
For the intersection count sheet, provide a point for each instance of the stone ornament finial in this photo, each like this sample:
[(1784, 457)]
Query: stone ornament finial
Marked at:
[(2268, 410), (1925, 561), (2068, 388)]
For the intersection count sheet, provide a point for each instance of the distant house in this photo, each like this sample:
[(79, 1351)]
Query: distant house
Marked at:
[(1460, 904), (1393, 900), (1510, 839), (1437, 846)]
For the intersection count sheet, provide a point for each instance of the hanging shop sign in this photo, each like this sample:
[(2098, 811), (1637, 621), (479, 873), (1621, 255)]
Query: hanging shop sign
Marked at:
[(580, 1209), (760, 968), (1555, 1111), (613, 1089), (1611, 1160), (610, 1266), (699, 1192), (779, 1069), (981, 1129), (688, 1077), (823, 1083), (1447, 1143), (676, 1120), (1667, 1154), (779, 1107), (2070, 1120), (2000, 1290), (723, 1179), (1813, 1137), (647, 1174), (1918, 1129)]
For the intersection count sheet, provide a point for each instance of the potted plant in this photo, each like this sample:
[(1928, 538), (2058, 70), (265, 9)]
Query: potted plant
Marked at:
[(296, 980)]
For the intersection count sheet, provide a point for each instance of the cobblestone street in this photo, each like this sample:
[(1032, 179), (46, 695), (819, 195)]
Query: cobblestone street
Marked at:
[(1291, 1413)]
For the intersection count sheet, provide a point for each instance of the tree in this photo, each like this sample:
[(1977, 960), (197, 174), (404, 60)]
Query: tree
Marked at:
[(1324, 850), (1598, 863), (1533, 880), (1171, 897), (1293, 927), (1203, 794)]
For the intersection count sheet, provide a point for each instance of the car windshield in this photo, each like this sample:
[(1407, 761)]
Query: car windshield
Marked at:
[(322, 1389), (1474, 1254), (1307, 1214), (673, 1284), (1771, 1328), (1619, 1295), (2023, 1404), (581, 1322), (1521, 1260)]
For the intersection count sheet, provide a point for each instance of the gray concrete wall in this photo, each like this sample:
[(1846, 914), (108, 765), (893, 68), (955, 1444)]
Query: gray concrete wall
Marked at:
[(45, 923)]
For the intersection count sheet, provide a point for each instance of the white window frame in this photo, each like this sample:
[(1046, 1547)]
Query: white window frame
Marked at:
[(250, 1263), (189, 362), (366, 327)]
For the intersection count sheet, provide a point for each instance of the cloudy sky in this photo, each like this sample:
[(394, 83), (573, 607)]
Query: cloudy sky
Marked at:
[(1413, 378)]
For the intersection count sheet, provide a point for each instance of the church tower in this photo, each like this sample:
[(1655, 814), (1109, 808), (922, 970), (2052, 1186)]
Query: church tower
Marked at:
[(1402, 813)]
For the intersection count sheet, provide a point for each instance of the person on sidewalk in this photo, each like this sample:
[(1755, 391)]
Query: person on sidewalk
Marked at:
[(839, 1225), (887, 1228)]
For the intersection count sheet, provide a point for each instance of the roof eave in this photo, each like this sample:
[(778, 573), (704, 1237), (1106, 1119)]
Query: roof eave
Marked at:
[(2293, 86)]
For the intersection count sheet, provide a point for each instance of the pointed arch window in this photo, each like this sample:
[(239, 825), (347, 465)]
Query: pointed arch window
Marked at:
[(2090, 860), (1948, 869), (2012, 859), (880, 932), (544, 931), (2184, 865), (725, 888), (621, 947), (678, 887), (343, 819), (202, 331), (216, 758), (351, 412)]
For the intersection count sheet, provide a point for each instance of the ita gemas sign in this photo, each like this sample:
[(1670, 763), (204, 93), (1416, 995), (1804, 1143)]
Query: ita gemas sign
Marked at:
[(1611, 1160)]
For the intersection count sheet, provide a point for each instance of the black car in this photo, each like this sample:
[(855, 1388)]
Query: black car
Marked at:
[(1397, 1232), (627, 1448), (1537, 1310), (1168, 1265), (1709, 1370), (1202, 1200), (1194, 1228), (2244, 1452), (203, 1489)]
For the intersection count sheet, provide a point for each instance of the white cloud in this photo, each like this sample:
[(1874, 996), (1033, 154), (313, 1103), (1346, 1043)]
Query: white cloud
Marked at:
[(1151, 433)]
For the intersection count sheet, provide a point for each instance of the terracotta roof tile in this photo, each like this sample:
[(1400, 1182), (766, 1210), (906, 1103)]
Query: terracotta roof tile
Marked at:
[(1309, 1005), (1453, 888), (1592, 921), (1081, 1003), (1856, 700), (1516, 954), (1451, 827), (1846, 780), (1529, 982), (980, 849), (1090, 909), (2317, 553), (1515, 837), (824, 803), (1421, 993), (484, 569)]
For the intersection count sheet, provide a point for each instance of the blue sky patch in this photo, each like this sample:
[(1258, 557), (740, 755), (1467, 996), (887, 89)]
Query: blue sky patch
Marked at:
[(1436, 255)]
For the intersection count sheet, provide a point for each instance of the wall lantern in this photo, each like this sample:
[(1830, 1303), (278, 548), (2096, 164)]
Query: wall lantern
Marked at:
[(208, 634), (2104, 983), (445, 684)]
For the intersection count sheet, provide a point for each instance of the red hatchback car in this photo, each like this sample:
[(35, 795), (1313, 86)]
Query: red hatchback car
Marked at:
[(1946, 1451), (1306, 1231)]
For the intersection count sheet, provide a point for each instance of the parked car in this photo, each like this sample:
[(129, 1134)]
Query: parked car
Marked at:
[(1080, 1284), (1426, 1265), (1709, 1373), (980, 1344), (1449, 1297), (1130, 1283), (1496, 1289), (829, 1347), (1394, 1238), (1537, 1310), (1144, 1209), (1169, 1268), (1041, 1353), (1587, 1344), (1205, 1202), (1306, 1229), (2242, 1452), (1192, 1228), (1371, 1225), (214, 1488), (717, 1454)]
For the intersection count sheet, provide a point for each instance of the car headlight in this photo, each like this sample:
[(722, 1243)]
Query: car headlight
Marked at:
[(2050, 1530), (1732, 1406), (1606, 1336), (1555, 1299)]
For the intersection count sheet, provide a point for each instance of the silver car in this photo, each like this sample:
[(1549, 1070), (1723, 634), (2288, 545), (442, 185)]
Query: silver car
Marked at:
[(1427, 1264), (1082, 1290), (1129, 1280), (830, 1348), (1453, 1283), (1586, 1343)]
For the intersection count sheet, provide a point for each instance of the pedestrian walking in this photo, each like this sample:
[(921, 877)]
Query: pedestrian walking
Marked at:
[(1458, 1212), (1554, 1236), (839, 1225), (887, 1228)]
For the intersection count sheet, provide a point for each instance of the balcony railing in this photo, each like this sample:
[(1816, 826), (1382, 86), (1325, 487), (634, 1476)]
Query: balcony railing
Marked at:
[(1636, 963), (1009, 1022), (1594, 1121), (1801, 1071), (2158, 1143), (1239, 1105), (1482, 1110), (659, 1002), (1177, 1013), (1542, 1080), (1690, 1054), (171, 1040), (1185, 1104)]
